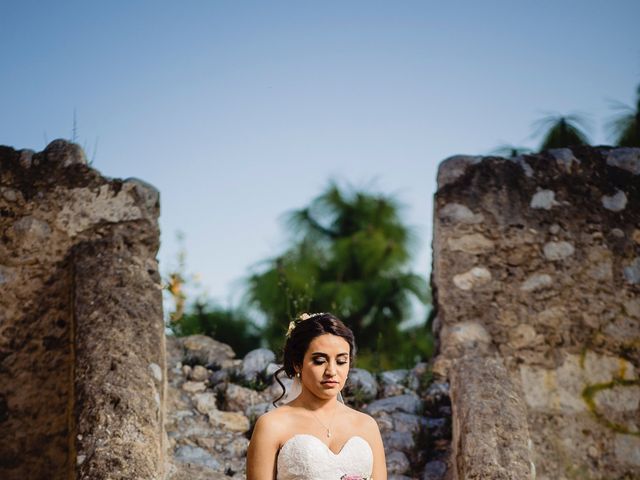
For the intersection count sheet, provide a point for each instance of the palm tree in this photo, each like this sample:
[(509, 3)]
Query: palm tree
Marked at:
[(626, 126), (349, 256), (562, 131)]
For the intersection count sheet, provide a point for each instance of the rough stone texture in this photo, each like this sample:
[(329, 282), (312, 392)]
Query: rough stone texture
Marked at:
[(537, 312), (489, 423), (209, 426), (205, 440), (81, 332)]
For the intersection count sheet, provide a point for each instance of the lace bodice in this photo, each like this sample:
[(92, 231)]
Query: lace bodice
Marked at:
[(306, 457)]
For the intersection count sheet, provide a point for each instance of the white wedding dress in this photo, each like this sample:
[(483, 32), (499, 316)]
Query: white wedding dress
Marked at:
[(306, 457)]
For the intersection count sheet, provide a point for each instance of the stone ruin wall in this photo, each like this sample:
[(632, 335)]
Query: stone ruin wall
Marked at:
[(81, 334), (536, 279)]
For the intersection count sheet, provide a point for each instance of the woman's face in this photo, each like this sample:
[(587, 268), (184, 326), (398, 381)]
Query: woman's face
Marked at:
[(325, 365)]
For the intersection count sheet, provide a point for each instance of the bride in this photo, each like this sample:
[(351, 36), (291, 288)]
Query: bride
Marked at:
[(316, 436)]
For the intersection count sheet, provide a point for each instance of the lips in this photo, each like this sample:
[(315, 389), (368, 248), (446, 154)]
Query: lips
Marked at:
[(329, 383)]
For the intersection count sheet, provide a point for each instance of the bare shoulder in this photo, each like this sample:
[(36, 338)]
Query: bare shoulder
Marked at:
[(361, 420), (274, 420), (277, 424)]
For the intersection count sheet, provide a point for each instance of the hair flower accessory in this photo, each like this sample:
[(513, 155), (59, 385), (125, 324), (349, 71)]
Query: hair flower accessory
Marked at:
[(301, 318), (292, 325)]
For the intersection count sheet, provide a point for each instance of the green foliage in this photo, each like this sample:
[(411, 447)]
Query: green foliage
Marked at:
[(349, 256), (232, 327), (562, 131), (625, 127), (410, 347)]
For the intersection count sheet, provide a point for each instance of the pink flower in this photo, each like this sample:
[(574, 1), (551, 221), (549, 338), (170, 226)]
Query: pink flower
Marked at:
[(352, 477)]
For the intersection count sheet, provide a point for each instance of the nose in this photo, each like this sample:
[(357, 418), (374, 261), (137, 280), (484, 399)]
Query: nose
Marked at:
[(331, 369)]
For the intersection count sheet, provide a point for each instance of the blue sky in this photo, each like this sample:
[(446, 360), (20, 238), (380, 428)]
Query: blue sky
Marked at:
[(239, 111)]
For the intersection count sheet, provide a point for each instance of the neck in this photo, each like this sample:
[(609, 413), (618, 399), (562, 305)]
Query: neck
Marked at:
[(311, 402)]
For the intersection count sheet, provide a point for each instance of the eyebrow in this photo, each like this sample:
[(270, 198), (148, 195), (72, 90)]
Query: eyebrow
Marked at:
[(321, 354)]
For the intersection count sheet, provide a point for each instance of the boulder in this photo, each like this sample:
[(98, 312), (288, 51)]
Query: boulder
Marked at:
[(361, 386)]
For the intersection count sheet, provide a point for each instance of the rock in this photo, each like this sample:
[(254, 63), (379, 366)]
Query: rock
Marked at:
[(146, 192), (255, 363), (194, 387), (558, 250), (254, 411), (622, 328), (271, 369), (189, 471), (219, 376), (616, 202), (476, 277), (561, 389), (438, 428), (460, 338), (409, 403), (361, 386), (9, 194), (196, 455), (237, 398), (206, 402), (627, 449), (237, 448), (522, 336), (474, 244), (398, 441), (385, 422), (407, 422), (632, 308), (397, 463), (626, 158), (454, 167), (434, 470), (232, 421), (544, 199), (156, 371), (391, 377), (564, 158), (494, 418), (392, 382), (419, 377), (632, 271), (437, 394), (199, 373), (521, 162), (203, 350), (26, 158), (458, 213), (601, 270), (537, 281), (30, 232), (275, 390), (65, 153), (6, 274)]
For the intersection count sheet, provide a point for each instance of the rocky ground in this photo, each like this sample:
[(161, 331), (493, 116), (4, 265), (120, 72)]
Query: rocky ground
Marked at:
[(213, 400)]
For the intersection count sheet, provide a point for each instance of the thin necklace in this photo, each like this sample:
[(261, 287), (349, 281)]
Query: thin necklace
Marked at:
[(328, 429)]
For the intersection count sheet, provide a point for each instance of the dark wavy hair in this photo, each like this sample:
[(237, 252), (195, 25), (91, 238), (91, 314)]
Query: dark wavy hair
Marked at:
[(300, 335)]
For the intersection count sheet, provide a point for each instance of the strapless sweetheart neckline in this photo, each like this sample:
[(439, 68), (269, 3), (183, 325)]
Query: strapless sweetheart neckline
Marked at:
[(306, 457), (328, 448)]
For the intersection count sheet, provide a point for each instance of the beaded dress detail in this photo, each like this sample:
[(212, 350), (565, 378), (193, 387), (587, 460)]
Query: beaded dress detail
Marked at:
[(306, 457)]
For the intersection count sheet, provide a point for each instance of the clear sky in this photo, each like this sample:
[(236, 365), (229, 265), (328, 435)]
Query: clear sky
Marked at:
[(239, 111)]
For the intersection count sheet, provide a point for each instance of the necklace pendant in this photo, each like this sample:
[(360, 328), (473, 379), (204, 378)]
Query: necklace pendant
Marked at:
[(328, 434)]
